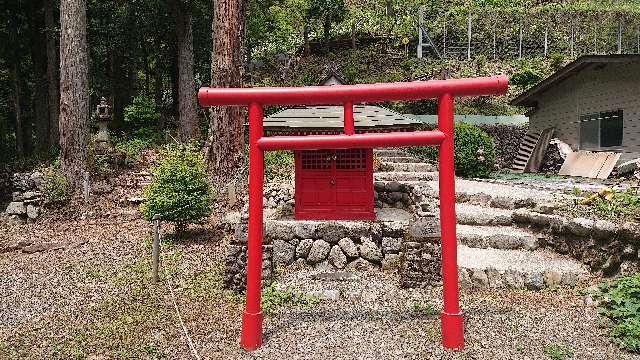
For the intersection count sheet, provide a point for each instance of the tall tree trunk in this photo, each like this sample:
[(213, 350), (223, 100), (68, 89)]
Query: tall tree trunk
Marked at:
[(74, 91), (223, 150), (53, 84), (17, 106), (39, 60), (187, 113)]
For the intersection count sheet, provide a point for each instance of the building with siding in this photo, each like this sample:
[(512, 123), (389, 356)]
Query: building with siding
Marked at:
[(593, 104)]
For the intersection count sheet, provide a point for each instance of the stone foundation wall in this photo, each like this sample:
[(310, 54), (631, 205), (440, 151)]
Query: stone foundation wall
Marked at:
[(235, 274), (26, 197), (604, 246), (412, 247)]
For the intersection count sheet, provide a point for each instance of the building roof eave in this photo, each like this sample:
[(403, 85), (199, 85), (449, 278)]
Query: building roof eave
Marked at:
[(529, 97)]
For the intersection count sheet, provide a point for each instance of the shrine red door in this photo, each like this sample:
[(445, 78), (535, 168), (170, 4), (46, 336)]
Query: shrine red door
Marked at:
[(334, 184)]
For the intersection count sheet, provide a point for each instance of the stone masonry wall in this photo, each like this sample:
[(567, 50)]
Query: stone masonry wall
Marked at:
[(605, 246)]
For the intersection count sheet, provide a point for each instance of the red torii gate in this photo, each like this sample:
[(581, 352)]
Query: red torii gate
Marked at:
[(443, 90)]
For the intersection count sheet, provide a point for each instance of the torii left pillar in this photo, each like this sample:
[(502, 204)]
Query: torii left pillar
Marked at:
[(251, 337)]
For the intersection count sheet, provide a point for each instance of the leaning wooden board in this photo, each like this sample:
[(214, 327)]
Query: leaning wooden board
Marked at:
[(596, 165)]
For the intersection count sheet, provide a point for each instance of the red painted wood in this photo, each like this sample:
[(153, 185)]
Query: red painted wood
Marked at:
[(334, 184)]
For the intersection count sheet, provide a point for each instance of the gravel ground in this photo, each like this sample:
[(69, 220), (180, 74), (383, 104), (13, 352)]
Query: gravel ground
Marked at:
[(381, 323), (95, 300)]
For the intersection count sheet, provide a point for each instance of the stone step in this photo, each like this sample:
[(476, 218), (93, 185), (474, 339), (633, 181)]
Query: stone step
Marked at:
[(468, 214), (497, 237), (389, 152), (398, 159), (411, 167), (497, 195), (404, 176), (534, 270)]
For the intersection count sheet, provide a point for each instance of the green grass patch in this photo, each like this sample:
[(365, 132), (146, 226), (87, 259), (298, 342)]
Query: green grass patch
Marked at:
[(424, 309), (274, 299), (621, 205), (557, 352)]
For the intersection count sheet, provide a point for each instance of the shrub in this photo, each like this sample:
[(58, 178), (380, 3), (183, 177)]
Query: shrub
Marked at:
[(468, 140), (621, 303), (278, 165), (54, 186), (557, 60), (180, 191), (141, 113)]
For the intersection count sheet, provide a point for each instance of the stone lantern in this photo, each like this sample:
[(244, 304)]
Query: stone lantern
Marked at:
[(103, 112)]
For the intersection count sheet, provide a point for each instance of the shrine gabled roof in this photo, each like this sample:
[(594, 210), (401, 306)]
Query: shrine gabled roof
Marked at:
[(328, 117)]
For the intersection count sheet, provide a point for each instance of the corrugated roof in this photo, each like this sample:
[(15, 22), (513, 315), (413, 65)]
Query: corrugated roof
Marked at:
[(529, 97), (322, 117)]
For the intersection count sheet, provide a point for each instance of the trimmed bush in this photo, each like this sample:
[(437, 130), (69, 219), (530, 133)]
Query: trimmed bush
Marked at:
[(468, 140), (180, 191)]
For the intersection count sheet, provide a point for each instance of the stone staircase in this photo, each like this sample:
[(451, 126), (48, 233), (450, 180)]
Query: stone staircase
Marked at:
[(492, 252)]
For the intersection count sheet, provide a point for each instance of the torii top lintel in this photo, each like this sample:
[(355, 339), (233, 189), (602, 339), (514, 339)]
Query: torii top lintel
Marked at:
[(313, 95)]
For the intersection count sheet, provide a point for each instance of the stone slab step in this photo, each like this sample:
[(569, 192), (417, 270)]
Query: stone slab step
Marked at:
[(398, 159), (411, 167), (390, 152), (468, 214), (404, 176), (534, 270), (497, 237), (498, 195)]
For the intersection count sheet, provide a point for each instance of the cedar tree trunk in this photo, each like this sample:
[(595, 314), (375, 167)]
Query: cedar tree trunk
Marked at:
[(223, 150), (52, 74), (74, 92), (187, 102)]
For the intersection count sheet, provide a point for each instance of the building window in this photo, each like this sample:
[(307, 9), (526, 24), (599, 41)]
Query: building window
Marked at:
[(601, 129)]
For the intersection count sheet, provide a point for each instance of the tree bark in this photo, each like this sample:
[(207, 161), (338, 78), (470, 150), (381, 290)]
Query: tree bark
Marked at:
[(187, 111), (53, 85), (17, 106), (39, 61), (74, 92), (223, 150)]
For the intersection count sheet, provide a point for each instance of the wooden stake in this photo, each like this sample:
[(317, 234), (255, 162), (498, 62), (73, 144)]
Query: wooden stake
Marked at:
[(156, 247)]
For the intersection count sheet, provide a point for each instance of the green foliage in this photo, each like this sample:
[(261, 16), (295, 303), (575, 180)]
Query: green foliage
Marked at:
[(525, 78), (327, 11), (278, 165), (620, 301), (55, 186), (141, 113), (468, 140), (273, 299), (622, 205), (557, 352), (180, 191), (140, 139)]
